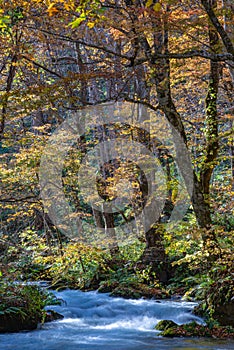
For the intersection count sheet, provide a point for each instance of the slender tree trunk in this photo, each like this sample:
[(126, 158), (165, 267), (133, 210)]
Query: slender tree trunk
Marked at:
[(212, 145), (232, 162), (104, 218), (228, 7), (82, 71), (209, 6), (9, 83)]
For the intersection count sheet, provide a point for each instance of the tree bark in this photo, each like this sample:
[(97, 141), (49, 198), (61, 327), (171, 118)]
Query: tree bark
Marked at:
[(163, 88), (11, 75), (212, 144)]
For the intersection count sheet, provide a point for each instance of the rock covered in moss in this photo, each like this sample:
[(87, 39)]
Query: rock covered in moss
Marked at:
[(165, 324), (22, 307), (107, 287), (170, 330), (138, 290), (14, 322)]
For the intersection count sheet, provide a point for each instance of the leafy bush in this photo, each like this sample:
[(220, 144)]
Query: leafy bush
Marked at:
[(22, 306)]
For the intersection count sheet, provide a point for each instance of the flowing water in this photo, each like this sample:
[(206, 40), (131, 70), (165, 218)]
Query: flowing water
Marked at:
[(99, 322)]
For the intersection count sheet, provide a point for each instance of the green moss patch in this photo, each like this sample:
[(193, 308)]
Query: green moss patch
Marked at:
[(170, 329)]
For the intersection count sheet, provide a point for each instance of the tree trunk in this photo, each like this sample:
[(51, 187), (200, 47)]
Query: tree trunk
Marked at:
[(212, 144), (10, 77), (162, 82), (154, 254), (228, 7), (201, 207)]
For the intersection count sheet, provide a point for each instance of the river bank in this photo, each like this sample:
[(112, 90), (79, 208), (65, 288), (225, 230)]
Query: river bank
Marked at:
[(97, 321)]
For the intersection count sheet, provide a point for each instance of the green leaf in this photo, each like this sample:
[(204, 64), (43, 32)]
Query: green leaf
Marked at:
[(78, 21)]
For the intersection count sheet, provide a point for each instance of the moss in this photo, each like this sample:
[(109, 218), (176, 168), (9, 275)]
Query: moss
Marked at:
[(138, 290), (165, 324), (170, 330)]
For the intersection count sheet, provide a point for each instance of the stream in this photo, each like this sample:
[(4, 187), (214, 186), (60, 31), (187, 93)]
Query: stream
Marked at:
[(99, 322)]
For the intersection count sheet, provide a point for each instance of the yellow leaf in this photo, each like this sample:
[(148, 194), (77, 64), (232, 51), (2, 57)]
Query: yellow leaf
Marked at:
[(149, 3), (90, 24), (52, 10), (68, 7), (157, 7), (51, 5)]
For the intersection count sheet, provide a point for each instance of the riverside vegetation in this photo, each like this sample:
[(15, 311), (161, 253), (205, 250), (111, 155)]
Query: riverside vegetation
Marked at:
[(191, 275)]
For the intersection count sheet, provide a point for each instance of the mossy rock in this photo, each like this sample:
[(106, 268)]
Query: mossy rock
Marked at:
[(107, 287), (165, 324), (10, 323), (15, 323), (138, 290), (186, 330), (171, 330), (126, 292), (22, 307)]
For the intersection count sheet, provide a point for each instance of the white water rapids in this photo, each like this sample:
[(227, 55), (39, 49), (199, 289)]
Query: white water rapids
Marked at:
[(94, 321)]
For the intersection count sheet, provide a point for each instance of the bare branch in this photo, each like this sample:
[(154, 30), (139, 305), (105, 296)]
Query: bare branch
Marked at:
[(41, 66)]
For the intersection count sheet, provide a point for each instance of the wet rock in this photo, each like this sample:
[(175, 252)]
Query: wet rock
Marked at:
[(176, 297), (15, 323), (224, 314), (52, 315)]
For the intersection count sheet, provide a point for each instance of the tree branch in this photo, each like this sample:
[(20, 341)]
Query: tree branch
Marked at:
[(214, 20), (134, 62), (41, 66), (14, 200)]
